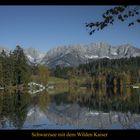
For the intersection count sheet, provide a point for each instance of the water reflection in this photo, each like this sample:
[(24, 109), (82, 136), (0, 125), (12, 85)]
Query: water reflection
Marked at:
[(99, 108), (80, 108), (13, 109)]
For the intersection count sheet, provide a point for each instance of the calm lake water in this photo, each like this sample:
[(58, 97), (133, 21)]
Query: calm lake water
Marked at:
[(73, 109)]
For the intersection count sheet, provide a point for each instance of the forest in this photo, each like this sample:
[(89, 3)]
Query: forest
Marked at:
[(104, 72), (16, 71)]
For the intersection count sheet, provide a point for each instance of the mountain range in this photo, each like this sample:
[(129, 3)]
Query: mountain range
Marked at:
[(74, 55)]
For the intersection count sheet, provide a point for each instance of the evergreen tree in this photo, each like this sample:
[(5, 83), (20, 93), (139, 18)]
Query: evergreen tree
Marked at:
[(5, 69), (21, 74)]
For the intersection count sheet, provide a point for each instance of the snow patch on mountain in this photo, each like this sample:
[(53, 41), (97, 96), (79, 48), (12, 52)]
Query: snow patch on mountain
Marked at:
[(31, 59), (105, 57), (114, 53), (34, 55), (91, 56), (73, 55), (80, 54)]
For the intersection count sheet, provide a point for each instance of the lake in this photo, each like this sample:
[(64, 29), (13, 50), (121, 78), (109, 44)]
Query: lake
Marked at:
[(76, 108)]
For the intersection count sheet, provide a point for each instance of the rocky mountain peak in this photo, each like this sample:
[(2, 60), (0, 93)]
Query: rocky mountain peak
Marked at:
[(73, 55)]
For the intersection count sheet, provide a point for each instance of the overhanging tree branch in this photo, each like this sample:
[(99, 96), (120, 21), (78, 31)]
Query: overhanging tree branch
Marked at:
[(121, 13)]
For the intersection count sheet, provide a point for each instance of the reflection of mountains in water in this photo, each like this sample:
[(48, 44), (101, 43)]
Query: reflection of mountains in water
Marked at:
[(127, 100), (83, 118), (36, 119), (76, 109)]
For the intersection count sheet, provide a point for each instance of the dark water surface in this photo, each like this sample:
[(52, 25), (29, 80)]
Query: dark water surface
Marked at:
[(74, 109)]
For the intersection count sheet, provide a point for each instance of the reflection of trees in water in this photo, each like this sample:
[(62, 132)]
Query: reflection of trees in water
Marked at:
[(41, 100), (101, 99), (21, 103), (61, 98), (122, 107), (44, 102), (114, 101), (14, 108)]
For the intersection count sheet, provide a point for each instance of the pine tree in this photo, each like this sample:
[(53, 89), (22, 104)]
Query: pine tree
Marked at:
[(1, 71), (5, 71), (21, 72)]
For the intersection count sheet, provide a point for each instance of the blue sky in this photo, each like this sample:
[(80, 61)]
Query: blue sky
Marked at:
[(44, 27)]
